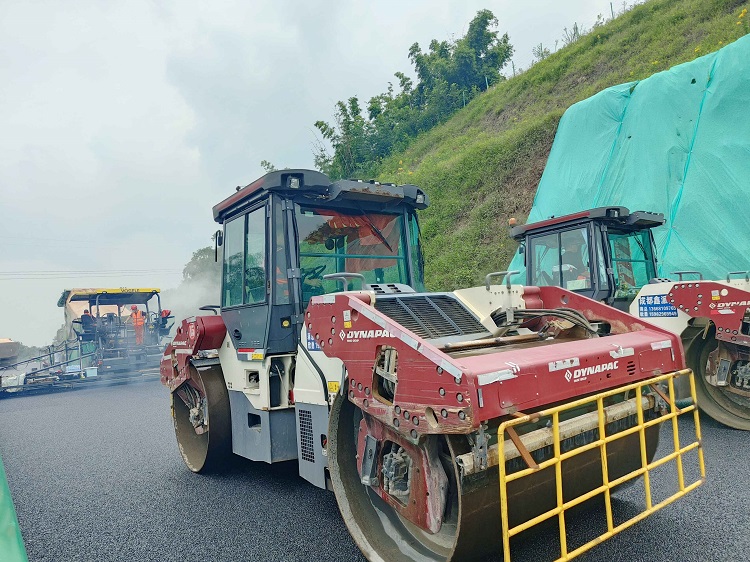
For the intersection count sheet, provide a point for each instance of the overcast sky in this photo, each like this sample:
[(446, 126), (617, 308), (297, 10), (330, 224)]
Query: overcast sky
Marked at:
[(123, 122)]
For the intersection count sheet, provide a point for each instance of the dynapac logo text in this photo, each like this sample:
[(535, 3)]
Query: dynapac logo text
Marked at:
[(732, 304), (356, 335), (583, 373)]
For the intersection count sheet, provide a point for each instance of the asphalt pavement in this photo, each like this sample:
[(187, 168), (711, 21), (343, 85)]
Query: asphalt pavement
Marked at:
[(95, 475)]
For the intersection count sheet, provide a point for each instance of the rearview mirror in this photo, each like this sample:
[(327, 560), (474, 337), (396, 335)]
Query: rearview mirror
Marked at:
[(218, 241)]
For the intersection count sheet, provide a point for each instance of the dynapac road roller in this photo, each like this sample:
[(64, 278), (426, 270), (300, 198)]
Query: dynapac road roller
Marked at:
[(609, 254), (445, 423)]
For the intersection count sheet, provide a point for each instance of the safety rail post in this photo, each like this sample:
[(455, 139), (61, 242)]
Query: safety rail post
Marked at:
[(605, 467), (558, 482), (504, 521), (644, 453), (676, 435), (698, 435)]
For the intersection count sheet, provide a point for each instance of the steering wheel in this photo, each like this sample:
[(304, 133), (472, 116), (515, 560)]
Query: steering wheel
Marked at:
[(545, 277), (314, 273), (152, 316)]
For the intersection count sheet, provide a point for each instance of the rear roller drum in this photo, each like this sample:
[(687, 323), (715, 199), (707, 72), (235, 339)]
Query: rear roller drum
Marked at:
[(469, 508), (202, 422), (378, 529), (721, 404)]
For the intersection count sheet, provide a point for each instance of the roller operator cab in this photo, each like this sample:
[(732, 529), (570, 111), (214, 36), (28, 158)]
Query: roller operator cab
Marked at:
[(445, 423), (287, 237), (606, 253), (287, 233)]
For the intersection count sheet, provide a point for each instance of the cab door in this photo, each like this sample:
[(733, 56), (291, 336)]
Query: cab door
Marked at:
[(245, 287)]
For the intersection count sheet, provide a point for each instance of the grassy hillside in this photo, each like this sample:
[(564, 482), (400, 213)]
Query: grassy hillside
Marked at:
[(483, 166)]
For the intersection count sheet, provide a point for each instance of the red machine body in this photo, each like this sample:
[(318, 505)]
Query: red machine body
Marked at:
[(728, 308), (194, 334), (444, 392)]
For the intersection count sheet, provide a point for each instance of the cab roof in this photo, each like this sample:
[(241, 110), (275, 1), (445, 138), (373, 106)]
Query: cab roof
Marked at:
[(113, 296), (317, 188), (614, 216)]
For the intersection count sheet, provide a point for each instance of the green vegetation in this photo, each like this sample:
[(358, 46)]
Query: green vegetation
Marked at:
[(482, 166), (450, 73)]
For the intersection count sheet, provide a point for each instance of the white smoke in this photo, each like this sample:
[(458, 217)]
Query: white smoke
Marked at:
[(185, 300)]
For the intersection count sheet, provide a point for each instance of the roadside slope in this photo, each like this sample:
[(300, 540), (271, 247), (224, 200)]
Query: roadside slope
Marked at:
[(483, 166)]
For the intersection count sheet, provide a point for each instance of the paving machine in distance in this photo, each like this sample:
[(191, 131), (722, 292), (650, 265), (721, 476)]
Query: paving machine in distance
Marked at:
[(108, 342), (445, 423), (122, 343), (608, 254)]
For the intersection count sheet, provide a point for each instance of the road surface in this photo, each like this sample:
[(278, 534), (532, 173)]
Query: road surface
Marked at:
[(96, 475)]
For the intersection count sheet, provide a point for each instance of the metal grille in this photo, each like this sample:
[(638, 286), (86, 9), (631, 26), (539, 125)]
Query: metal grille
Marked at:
[(307, 443), (430, 316), (630, 368)]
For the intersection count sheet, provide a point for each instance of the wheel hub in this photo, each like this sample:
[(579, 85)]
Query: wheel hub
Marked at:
[(410, 478), (396, 472), (197, 407)]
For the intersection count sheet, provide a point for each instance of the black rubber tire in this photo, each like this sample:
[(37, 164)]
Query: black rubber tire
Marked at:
[(209, 451), (713, 400)]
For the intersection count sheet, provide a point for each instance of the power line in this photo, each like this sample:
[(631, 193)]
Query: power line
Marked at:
[(86, 271), (110, 274)]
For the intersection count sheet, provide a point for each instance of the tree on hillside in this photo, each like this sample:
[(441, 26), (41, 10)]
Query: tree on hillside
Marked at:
[(202, 266), (267, 166), (474, 61), (449, 75)]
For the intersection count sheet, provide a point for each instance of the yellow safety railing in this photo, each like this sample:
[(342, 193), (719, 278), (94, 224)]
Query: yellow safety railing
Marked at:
[(601, 443)]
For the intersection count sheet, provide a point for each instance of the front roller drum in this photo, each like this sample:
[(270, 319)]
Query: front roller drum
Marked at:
[(470, 526), (721, 403), (202, 420)]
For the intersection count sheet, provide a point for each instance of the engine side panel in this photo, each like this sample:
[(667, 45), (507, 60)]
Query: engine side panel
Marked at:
[(312, 441)]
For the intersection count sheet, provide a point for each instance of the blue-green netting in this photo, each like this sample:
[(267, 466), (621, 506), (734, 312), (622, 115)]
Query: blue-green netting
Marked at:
[(676, 143)]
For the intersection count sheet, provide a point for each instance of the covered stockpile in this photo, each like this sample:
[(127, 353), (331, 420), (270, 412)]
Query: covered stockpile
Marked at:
[(676, 143)]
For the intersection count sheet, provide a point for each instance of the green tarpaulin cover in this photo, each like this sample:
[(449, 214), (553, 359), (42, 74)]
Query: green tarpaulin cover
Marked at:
[(676, 143)]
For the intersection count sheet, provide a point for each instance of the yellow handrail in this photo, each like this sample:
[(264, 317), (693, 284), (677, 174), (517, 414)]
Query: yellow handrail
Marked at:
[(601, 443)]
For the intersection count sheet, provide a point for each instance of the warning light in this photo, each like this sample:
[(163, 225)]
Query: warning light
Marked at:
[(512, 221)]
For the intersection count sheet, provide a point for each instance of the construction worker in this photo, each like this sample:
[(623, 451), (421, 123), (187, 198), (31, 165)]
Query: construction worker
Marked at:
[(87, 321), (138, 318), (574, 268)]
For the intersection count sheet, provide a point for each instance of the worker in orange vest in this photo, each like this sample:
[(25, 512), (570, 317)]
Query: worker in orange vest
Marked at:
[(138, 318)]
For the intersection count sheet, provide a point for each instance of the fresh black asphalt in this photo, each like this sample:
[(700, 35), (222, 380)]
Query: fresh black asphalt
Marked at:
[(95, 475)]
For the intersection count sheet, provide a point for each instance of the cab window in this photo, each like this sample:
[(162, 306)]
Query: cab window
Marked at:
[(632, 262), (244, 269), (370, 243), (545, 256), (561, 259)]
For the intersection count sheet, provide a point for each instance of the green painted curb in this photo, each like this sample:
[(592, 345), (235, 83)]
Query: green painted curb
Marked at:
[(11, 542)]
